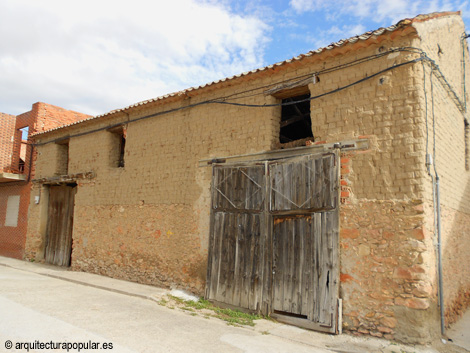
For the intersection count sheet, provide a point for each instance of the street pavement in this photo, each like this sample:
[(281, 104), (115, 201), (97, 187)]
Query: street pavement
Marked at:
[(42, 304)]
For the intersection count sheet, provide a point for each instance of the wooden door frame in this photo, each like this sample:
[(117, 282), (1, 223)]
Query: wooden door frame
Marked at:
[(212, 240), (300, 322), (46, 234), (266, 296)]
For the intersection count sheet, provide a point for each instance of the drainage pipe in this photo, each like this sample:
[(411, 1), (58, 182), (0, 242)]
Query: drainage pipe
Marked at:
[(436, 202), (439, 254)]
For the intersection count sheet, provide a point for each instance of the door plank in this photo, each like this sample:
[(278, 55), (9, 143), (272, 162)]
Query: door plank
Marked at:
[(60, 225)]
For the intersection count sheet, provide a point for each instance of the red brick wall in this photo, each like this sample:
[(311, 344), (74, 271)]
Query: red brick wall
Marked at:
[(41, 117), (12, 239), (50, 116), (7, 129)]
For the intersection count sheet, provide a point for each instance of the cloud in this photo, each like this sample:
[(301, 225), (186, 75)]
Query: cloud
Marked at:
[(376, 10), (94, 56), (333, 34)]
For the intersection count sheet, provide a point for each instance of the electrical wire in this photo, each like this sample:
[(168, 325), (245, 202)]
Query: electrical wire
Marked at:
[(326, 93), (464, 36), (224, 102), (412, 50), (227, 101), (425, 108), (433, 123)]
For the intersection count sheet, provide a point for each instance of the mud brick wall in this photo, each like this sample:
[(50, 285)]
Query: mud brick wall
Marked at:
[(149, 221), (387, 268), (451, 160), (393, 117)]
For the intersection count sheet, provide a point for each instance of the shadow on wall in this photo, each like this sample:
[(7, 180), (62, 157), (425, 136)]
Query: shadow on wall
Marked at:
[(455, 232)]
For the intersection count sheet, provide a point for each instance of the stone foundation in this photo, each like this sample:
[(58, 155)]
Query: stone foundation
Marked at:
[(386, 271)]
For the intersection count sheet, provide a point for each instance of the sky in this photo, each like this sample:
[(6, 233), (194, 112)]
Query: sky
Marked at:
[(94, 56)]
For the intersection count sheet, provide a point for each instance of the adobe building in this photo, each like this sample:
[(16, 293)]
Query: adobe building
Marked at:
[(314, 190), (17, 169)]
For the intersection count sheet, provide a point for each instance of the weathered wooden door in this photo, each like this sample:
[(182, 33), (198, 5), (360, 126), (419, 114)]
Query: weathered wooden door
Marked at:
[(59, 225), (236, 247), (274, 239), (305, 241)]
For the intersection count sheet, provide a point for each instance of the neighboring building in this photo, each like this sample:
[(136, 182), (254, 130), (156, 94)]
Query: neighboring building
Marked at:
[(17, 169), (7, 133), (296, 190)]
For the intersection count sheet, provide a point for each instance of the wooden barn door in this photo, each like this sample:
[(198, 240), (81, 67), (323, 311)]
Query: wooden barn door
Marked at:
[(59, 225), (236, 245), (303, 204), (274, 239)]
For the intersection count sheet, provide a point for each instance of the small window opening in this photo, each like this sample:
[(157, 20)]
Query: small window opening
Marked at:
[(118, 152), (63, 157), (295, 119), (24, 133), (21, 166), (13, 210), (122, 149), (21, 147)]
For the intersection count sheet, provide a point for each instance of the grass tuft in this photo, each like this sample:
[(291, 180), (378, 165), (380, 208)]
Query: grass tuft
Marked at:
[(232, 317)]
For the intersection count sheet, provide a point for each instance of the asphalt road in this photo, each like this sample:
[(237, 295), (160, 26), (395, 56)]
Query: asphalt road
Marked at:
[(36, 308), (44, 304)]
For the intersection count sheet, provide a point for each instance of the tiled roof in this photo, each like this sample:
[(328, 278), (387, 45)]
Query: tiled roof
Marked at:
[(363, 37)]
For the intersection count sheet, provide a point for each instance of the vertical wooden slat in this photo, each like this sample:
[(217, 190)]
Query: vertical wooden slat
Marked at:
[(267, 246), (214, 251), (238, 267), (295, 291), (300, 259), (323, 286), (256, 261), (327, 181), (235, 253), (224, 249), (318, 183), (283, 262), (60, 224), (278, 265), (307, 298), (330, 301), (230, 259)]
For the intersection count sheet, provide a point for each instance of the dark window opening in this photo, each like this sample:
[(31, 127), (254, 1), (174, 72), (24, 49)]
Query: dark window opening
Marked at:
[(118, 149), (63, 157), (20, 150), (21, 166), (295, 119), (122, 147)]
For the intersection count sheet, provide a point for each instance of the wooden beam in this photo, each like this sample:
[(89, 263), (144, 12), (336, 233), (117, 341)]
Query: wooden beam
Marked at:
[(294, 119), (349, 145)]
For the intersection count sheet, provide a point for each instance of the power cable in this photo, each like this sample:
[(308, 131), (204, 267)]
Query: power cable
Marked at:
[(225, 100)]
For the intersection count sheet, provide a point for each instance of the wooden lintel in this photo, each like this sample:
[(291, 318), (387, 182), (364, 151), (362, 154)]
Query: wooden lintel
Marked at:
[(117, 129), (285, 90), (63, 179), (63, 141), (349, 145)]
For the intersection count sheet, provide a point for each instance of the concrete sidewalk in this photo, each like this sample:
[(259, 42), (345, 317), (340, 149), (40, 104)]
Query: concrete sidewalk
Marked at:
[(340, 343)]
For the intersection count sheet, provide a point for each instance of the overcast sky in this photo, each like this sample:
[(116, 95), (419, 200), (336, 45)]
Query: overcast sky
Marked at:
[(94, 56)]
